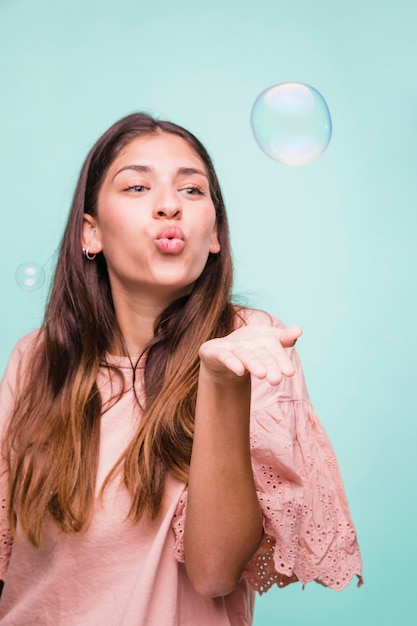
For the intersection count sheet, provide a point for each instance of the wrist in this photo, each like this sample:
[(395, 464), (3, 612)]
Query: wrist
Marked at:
[(223, 377)]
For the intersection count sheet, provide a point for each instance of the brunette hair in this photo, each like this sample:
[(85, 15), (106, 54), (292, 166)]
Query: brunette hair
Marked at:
[(52, 443)]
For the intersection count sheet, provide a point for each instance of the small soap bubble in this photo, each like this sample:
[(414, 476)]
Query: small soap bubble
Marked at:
[(291, 123), (30, 276)]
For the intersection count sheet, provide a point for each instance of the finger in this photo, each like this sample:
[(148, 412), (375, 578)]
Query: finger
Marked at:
[(234, 364), (290, 335), (256, 361), (264, 363), (281, 357), (284, 363)]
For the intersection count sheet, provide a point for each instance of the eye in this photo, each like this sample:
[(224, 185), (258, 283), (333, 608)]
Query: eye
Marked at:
[(193, 190), (136, 188)]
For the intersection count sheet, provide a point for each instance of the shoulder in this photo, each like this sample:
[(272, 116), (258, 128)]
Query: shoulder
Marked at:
[(256, 317), (20, 356), (24, 345), (14, 375)]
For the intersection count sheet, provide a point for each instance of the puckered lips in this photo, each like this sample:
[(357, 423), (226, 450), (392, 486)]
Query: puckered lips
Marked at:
[(170, 240)]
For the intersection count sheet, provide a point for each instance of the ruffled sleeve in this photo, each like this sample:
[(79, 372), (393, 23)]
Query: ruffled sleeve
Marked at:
[(308, 534), (6, 540), (7, 397), (308, 531)]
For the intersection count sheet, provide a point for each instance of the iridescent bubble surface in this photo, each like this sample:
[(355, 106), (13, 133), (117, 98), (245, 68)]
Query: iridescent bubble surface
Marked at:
[(291, 123), (30, 276)]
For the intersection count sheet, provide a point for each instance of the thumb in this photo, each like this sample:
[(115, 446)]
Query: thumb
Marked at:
[(290, 335)]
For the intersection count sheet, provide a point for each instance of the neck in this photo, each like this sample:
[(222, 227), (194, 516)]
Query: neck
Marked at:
[(136, 317)]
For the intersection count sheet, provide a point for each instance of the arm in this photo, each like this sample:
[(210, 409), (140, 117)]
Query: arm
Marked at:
[(224, 523)]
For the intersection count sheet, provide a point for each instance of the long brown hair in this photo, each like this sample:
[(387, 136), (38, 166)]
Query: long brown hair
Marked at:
[(52, 443)]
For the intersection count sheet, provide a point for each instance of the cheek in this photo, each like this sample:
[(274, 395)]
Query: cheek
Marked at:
[(208, 219), (111, 226)]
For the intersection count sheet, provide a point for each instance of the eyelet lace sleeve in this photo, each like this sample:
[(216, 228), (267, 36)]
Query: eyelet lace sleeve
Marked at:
[(178, 524), (308, 532), (6, 540), (7, 397)]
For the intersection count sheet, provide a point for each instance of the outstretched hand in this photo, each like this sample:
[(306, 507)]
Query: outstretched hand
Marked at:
[(256, 350)]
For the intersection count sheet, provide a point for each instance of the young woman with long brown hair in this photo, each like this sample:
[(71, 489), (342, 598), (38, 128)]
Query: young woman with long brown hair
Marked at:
[(160, 456)]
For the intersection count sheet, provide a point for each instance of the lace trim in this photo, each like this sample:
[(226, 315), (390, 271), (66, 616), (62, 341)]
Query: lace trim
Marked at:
[(178, 527), (308, 532), (6, 540), (286, 562), (261, 572)]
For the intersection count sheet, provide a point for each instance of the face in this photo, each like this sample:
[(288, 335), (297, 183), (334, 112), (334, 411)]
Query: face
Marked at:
[(155, 221)]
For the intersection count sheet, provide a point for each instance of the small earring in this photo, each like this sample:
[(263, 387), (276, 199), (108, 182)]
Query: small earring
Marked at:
[(87, 254)]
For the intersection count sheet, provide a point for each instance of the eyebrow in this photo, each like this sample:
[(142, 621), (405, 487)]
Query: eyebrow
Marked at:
[(182, 171)]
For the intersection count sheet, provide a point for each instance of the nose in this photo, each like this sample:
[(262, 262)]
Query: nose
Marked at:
[(168, 204)]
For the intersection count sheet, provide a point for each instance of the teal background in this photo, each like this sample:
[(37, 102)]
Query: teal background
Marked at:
[(330, 246)]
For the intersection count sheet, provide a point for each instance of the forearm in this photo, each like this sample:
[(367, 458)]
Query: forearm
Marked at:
[(224, 522)]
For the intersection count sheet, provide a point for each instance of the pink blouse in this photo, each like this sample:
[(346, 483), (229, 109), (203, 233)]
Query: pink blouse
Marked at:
[(119, 574)]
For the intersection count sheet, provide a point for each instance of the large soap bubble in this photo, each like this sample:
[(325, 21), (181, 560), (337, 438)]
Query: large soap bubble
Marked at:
[(30, 276), (291, 123)]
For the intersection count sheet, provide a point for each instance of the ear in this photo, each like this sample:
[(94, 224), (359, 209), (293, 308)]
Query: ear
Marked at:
[(90, 238), (214, 241)]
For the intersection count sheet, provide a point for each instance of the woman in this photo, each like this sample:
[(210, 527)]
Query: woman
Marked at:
[(161, 457)]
